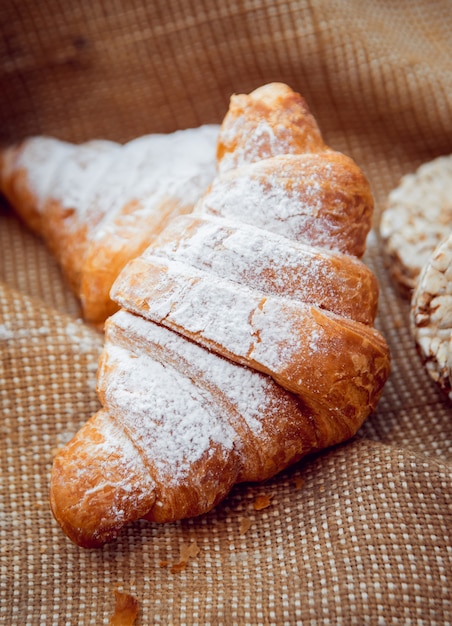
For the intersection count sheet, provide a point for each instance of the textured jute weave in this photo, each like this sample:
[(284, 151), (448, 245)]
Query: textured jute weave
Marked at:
[(359, 534)]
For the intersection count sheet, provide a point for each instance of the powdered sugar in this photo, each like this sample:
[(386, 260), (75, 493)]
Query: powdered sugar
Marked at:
[(87, 342), (270, 331), (98, 179), (212, 303), (270, 263), (172, 422), (299, 196), (211, 300), (246, 390), (5, 333), (251, 200), (196, 396), (75, 180), (41, 158), (270, 121), (13, 332), (264, 144), (113, 482), (154, 167)]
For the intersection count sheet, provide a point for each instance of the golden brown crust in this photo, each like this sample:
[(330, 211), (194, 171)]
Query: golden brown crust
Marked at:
[(269, 121), (126, 610), (297, 344), (93, 499), (90, 478)]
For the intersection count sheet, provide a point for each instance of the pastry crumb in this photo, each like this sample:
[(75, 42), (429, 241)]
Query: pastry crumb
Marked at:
[(298, 481), (262, 502), (245, 525), (187, 551), (126, 609), (178, 567)]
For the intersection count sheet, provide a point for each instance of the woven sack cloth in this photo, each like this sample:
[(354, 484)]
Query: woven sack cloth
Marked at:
[(358, 534)]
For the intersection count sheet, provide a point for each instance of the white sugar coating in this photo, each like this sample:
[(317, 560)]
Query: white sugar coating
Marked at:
[(239, 321), (264, 143), (277, 324), (185, 160), (41, 157), (15, 331), (255, 141), (200, 303), (5, 333), (314, 342), (99, 178), (251, 201), (265, 199), (117, 443), (171, 421), (230, 250), (149, 169), (251, 393), (266, 261), (87, 340), (75, 180)]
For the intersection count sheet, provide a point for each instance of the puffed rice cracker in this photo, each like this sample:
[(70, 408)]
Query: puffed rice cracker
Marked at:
[(417, 217), (431, 315)]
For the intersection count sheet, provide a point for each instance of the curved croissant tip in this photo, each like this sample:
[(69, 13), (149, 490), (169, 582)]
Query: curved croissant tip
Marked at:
[(80, 524), (99, 484)]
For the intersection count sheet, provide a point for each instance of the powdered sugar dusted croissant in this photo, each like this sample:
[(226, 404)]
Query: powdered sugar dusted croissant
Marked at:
[(245, 339), (99, 204)]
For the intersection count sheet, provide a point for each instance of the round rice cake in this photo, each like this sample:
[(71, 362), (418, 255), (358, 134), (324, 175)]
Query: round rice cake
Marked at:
[(431, 315), (417, 217)]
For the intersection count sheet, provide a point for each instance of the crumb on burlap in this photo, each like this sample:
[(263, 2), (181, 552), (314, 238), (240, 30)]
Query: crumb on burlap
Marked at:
[(245, 525), (262, 502), (187, 551), (126, 609)]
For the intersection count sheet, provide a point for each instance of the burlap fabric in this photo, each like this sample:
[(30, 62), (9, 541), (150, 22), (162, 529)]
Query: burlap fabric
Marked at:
[(356, 535)]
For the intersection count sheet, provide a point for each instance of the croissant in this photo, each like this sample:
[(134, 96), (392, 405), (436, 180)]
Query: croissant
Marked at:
[(245, 336), (99, 204)]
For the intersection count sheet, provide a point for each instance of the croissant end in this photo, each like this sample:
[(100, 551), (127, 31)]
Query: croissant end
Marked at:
[(99, 483)]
